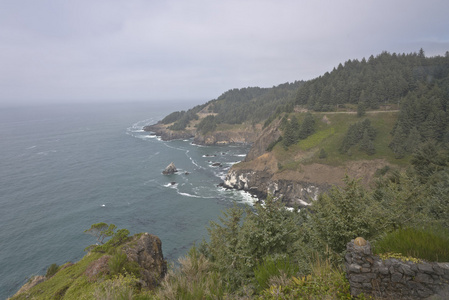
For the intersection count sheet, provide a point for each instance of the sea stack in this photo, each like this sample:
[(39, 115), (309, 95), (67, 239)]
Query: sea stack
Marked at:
[(170, 169)]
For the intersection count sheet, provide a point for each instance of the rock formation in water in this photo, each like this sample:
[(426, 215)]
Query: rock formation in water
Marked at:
[(170, 169)]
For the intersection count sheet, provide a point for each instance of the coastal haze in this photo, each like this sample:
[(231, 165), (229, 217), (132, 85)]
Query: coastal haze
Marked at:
[(86, 51)]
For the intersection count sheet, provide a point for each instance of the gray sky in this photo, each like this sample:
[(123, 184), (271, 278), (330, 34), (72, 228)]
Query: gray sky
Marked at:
[(110, 50)]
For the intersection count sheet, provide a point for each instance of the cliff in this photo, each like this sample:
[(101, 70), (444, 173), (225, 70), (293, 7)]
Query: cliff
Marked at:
[(238, 134), (138, 261), (262, 177), (298, 173)]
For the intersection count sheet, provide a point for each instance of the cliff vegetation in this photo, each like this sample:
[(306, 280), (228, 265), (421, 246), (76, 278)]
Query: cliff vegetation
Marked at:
[(364, 118)]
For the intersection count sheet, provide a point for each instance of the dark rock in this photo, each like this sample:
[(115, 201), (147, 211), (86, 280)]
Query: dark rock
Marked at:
[(170, 169), (173, 182), (146, 250), (97, 267), (217, 164)]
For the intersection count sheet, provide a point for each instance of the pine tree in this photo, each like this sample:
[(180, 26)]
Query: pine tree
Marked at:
[(398, 145), (366, 144), (307, 127)]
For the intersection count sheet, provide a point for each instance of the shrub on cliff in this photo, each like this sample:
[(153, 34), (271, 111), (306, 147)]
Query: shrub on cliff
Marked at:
[(339, 216), (195, 278), (239, 244), (52, 269)]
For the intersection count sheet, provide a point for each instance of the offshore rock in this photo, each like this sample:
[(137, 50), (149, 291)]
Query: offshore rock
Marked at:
[(170, 169)]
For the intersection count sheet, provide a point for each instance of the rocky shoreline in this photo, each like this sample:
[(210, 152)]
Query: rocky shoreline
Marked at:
[(260, 174), (245, 135)]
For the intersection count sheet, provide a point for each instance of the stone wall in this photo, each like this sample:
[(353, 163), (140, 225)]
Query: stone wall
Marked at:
[(393, 278)]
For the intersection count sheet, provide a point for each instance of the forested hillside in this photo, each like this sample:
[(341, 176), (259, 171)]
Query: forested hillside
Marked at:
[(415, 84), (236, 106)]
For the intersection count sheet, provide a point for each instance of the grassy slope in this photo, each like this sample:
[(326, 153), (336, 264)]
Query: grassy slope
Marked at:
[(70, 282), (330, 131)]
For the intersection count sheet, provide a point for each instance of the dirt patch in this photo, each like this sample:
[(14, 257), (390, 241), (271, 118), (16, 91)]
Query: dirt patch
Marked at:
[(325, 174), (326, 120), (265, 162)]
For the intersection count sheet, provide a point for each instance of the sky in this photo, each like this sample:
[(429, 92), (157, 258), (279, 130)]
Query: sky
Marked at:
[(55, 51)]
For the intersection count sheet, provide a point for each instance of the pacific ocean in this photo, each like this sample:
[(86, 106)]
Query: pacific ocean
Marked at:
[(67, 166)]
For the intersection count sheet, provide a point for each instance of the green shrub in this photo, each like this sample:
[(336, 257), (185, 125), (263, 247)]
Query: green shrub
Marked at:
[(323, 154), (52, 269), (194, 279), (431, 244), (325, 282), (119, 287), (273, 267), (119, 264)]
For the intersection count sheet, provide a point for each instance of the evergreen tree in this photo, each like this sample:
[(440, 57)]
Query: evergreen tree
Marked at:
[(291, 132), (398, 144), (307, 126), (413, 140), (361, 109), (366, 144), (323, 154)]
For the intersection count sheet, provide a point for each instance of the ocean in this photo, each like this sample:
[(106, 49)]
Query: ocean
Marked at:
[(67, 166)]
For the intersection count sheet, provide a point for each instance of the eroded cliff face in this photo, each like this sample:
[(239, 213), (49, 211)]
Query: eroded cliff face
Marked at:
[(261, 177), (263, 183), (267, 136)]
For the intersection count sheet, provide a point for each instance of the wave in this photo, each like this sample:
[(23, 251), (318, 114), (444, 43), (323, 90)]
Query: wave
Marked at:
[(32, 147), (47, 152), (239, 196), (231, 163), (240, 155), (189, 195), (171, 185)]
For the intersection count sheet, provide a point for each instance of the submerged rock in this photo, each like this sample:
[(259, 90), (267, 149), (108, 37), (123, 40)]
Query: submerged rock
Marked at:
[(170, 169)]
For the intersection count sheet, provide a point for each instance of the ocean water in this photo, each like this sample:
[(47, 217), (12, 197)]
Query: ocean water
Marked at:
[(65, 167)]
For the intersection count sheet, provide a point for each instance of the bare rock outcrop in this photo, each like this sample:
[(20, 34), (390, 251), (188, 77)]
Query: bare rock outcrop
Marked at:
[(146, 251), (170, 169)]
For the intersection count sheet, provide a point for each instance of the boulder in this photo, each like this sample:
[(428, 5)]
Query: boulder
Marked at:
[(170, 169), (147, 252)]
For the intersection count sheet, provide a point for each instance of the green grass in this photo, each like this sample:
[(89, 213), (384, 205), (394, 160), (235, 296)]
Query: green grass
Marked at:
[(329, 137), (69, 282), (431, 244), (316, 139)]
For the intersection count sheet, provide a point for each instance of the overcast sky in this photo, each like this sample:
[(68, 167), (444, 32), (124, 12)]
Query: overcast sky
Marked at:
[(87, 50)]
